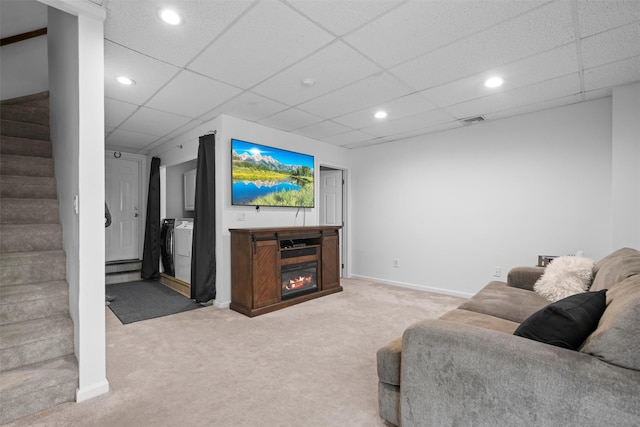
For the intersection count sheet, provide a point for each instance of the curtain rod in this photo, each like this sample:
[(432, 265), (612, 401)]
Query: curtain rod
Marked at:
[(211, 132)]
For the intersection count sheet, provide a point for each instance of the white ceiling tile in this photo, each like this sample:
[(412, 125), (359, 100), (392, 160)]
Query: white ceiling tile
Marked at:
[(423, 131), (270, 37), (536, 93), (367, 143), (401, 107), (184, 128), (247, 106), (290, 119), (369, 92), (613, 74), (417, 121), (348, 138), (202, 22), (553, 103), (149, 74), (598, 93), (536, 68), (117, 111), (339, 16), (419, 26), (153, 122), (331, 68), (598, 16), (621, 43), (190, 94), (537, 31), (322, 130), (124, 138)]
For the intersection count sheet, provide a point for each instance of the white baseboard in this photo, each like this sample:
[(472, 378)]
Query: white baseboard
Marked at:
[(92, 391), (221, 304), (414, 286)]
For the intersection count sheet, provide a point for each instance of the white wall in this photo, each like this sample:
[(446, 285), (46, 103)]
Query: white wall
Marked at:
[(174, 194), (227, 216), (23, 67), (453, 206), (626, 166), (76, 72)]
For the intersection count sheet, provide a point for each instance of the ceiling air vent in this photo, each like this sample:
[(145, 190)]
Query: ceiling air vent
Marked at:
[(472, 120)]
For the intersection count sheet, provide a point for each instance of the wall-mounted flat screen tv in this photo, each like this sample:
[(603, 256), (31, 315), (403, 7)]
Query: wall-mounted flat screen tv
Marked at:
[(268, 176)]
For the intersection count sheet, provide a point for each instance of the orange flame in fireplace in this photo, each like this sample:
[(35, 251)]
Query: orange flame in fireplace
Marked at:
[(298, 282)]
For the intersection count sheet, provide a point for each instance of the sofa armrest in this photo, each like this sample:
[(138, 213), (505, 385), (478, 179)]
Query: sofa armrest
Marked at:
[(455, 374), (524, 277)]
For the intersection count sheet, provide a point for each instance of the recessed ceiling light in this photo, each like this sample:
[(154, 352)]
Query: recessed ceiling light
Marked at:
[(170, 16), (380, 114), (125, 80), (494, 82), (308, 82)]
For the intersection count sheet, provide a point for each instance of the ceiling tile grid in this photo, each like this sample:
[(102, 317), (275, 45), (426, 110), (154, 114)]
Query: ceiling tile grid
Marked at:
[(270, 37), (192, 95), (137, 25), (424, 62)]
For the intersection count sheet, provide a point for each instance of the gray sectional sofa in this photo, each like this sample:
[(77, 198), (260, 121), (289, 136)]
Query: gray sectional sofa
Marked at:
[(468, 369)]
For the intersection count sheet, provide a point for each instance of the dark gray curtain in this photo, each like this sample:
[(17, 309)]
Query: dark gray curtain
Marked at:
[(151, 253), (203, 253)]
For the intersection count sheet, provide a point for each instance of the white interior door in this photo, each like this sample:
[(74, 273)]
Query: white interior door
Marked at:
[(121, 193), (331, 202)]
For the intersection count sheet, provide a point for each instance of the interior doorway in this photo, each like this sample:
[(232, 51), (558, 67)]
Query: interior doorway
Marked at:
[(123, 195), (333, 205)]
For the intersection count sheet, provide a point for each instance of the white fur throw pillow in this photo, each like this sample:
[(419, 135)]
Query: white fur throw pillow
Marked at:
[(565, 276)]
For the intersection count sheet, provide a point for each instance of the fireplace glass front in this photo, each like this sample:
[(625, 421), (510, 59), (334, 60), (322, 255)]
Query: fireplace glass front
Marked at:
[(299, 279)]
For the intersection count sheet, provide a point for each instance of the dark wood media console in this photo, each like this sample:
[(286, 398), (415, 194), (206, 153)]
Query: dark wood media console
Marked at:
[(274, 268)]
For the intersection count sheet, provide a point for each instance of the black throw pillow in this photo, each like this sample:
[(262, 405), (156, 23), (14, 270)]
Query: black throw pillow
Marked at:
[(565, 323)]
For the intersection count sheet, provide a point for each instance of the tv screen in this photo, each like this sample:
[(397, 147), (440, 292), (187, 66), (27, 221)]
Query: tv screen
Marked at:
[(268, 176)]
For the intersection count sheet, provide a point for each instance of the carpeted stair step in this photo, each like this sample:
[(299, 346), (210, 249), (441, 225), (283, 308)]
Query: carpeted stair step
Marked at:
[(29, 211), (35, 341), (27, 187), (25, 113), (30, 237), (30, 301), (32, 267), (26, 166), (25, 147), (24, 130), (40, 99), (32, 388)]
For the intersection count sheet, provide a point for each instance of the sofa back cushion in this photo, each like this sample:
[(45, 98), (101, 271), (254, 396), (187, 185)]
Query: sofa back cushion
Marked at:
[(615, 267), (616, 340)]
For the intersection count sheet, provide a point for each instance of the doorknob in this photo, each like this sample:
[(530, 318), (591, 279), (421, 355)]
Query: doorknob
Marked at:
[(135, 215)]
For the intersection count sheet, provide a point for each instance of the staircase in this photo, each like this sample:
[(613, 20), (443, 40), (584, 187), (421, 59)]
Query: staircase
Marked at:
[(38, 368)]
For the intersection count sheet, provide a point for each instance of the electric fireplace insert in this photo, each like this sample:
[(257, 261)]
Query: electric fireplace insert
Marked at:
[(299, 279)]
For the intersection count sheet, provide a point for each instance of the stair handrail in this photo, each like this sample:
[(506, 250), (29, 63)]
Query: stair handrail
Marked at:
[(24, 36)]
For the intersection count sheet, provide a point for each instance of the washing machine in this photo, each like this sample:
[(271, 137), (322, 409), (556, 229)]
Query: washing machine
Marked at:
[(183, 238), (166, 246)]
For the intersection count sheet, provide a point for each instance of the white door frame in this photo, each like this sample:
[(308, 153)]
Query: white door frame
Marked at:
[(142, 189), (344, 242)]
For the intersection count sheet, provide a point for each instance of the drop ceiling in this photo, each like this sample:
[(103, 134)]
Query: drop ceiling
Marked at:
[(424, 62)]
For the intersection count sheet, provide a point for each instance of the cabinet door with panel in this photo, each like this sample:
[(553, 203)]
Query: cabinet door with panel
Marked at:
[(330, 262), (266, 273)]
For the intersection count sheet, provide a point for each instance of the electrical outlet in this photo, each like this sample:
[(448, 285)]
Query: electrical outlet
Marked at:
[(396, 263), (241, 216), (497, 272)]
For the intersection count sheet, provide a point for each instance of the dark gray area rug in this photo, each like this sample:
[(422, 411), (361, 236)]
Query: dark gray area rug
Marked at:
[(146, 299)]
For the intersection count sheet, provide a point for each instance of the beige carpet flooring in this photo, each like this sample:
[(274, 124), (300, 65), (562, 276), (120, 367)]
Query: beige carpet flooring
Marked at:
[(312, 364)]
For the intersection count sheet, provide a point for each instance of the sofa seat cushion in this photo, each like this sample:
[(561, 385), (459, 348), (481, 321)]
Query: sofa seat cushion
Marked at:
[(615, 268), (388, 358), (616, 340), (481, 320), (506, 302)]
